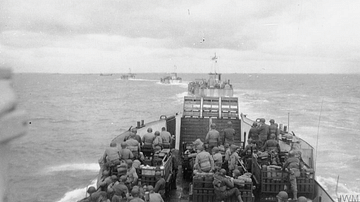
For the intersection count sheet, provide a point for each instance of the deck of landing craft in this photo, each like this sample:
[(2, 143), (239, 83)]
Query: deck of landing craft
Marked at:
[(181, 193)]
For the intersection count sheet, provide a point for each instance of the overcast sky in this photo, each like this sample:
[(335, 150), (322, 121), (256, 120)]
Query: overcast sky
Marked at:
[(94, 36)]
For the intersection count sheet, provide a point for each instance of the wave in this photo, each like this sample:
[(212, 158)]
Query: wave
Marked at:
[(182, 95), (329, 183), (73, 167), (182, 84), (76, 194), (152, 80)]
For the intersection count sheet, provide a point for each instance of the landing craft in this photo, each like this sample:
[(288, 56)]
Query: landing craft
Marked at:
[(128, 76), (212, 102)]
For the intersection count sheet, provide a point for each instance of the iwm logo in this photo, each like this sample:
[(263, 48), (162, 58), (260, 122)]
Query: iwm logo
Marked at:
[(349, 198)]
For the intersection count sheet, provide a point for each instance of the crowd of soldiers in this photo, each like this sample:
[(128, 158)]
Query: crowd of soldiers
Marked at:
[(234, 161), (120, 180), (218, 154), (209, 159), (263, 137)]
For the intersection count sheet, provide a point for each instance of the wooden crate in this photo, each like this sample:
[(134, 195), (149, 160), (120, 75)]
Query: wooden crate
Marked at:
[(273, 181), (203, 191)]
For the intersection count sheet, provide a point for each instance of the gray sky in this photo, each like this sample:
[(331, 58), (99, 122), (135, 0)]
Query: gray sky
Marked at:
[(93, 36)]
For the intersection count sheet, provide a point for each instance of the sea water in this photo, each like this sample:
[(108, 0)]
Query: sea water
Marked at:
[(72, 118)]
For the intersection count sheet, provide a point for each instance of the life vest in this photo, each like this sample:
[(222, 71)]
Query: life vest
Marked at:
[(294, 166), (112, 154), (204, 164), (213, 136), (273, 129), (122, 169)]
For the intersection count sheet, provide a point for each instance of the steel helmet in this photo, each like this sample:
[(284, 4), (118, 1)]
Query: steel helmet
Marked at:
[(222, 172), (123, 178), (135, 191), (282, 195), (106, 173), (110, 190), (200, 147), (236, 172), (302, 199), (91, 190), (292, 153), (150, 188), (215, 149), (123, 144)]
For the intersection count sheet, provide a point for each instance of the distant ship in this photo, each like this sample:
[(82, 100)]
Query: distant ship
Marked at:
[(105, 74), (128, 75), (172, 78), (211, 87)]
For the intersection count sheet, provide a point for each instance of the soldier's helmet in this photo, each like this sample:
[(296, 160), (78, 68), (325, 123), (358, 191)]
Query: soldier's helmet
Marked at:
[(282, 195)]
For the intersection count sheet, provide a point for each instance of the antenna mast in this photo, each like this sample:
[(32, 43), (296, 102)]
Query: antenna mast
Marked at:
[(317, 136), (215, 62), (288, 122), (337, 184)]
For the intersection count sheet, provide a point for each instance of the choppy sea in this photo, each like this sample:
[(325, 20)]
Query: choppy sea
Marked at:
[(72, 118)]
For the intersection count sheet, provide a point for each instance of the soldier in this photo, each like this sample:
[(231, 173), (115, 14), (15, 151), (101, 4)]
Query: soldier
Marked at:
[(112, 155), (125, 153), (154, 197), (203, 161), (131, 174), (133, 145), (253, 132), (213, 137), (263, 131), (135, 192), (166, 138), (98, 196), (157, 140), (134, 135), (121, 189), (292, 166), (234, 158), (229, 134), (227, 156), (90, 191), (224, 187), (160, 184), (217, 157), (273, 128), (246, 154), (148, 138), (271, 144), (105, 180)]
